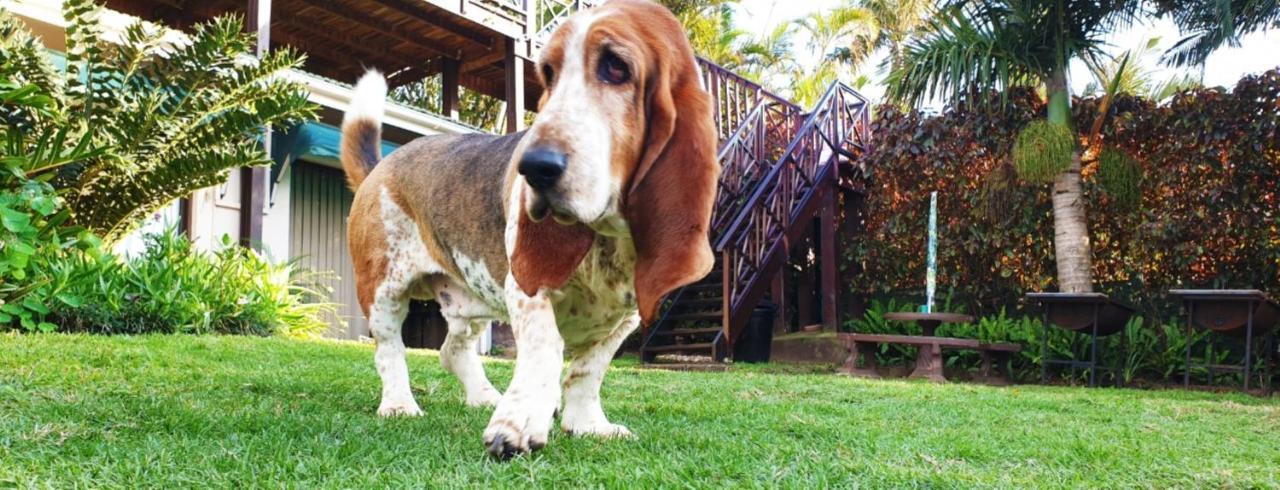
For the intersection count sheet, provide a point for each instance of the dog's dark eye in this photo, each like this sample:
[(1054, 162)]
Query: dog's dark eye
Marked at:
[(548, 74), (612, 70)]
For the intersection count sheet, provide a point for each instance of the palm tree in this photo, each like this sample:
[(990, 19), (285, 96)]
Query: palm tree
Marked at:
[(840, 39), (844, 33), (710, 27), (996, 44), (898, 21), (769, 54)]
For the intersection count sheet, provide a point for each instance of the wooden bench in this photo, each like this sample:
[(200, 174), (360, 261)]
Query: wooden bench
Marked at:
[(929, 359)]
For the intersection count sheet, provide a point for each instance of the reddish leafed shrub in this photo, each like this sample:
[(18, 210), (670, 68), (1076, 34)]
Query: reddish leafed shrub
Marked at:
[(1208, 213)]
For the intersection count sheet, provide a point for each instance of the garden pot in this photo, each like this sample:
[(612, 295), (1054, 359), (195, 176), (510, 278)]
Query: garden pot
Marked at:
[(756, 341)]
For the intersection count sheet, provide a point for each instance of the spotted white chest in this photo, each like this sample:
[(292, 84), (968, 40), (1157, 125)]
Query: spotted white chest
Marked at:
[(599, 295)]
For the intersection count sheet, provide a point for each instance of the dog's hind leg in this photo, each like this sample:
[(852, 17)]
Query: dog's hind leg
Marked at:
[(583, 414), (386, 315), (458, 355)]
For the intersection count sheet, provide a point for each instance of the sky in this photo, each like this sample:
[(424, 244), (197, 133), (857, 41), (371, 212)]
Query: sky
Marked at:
[(1257, 53)]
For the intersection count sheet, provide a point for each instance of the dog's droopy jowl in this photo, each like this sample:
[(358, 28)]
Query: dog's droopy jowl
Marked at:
[(572, 231)]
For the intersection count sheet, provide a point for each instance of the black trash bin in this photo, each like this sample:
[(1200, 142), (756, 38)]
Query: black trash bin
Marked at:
[(757, 339)]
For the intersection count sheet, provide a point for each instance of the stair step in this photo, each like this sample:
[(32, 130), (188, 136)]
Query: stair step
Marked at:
[(688, 331), (695, 316), (701, 302), (704, 286), (680, 347)]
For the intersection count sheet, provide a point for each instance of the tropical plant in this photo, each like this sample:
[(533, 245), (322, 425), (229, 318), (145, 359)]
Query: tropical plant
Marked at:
[(1131, 74), (133, 124), (1207, 25), (898, 21), (998, 44), (174, 288), (839, 40)]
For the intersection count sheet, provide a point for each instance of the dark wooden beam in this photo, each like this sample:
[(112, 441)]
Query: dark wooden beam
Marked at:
[(483, 61), (829, 265), (406, 76), (380, 27), (414, 10), (253, 180), (514, 71), (368, 56), (449, 89)]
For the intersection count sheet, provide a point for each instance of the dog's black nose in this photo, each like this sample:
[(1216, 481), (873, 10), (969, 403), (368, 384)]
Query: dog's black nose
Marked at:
[(542, 168)]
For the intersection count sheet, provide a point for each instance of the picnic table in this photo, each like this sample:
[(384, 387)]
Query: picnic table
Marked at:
[(929, 363)]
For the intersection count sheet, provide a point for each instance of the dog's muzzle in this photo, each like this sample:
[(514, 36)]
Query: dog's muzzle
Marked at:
[(542, 169)]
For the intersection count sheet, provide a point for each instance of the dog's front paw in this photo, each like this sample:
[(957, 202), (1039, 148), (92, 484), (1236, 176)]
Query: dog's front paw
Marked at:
[(602, 429), (399, 409), (513, 431)]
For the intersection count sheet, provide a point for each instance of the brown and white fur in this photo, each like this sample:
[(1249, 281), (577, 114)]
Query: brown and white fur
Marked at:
[(620, 158)]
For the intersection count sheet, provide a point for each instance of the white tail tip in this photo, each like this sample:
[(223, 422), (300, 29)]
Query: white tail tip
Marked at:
[(369, 98)]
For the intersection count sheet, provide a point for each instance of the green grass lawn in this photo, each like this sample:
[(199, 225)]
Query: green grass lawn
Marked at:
[(181, 411)]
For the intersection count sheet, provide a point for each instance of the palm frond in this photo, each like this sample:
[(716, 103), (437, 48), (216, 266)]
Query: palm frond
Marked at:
[(1207, 25)]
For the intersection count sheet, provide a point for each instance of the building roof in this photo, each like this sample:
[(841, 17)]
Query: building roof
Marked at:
[(406, 39)]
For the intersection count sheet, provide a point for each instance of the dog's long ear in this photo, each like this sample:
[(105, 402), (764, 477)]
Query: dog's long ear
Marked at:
[(673, 188), (546, 252)]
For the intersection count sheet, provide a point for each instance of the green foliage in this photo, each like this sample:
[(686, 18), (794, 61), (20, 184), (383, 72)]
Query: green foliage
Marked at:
[(1144, 354), (1043, 150), (999, 44), (475, 109), (1208, 161), (1120, 176), (1207, 25), (32, 239), (173, 288), (133, 125)]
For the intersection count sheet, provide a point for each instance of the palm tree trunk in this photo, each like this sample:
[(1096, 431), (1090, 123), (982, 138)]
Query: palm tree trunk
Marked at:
[(1070, 226)]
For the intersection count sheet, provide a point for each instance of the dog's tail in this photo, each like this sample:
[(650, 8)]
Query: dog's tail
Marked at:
[(361, 147)]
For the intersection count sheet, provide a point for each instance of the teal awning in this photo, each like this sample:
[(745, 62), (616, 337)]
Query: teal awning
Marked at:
[(314, 142)]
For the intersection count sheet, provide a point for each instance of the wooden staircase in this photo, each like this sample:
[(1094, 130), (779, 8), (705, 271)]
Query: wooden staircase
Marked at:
[(778, 164)]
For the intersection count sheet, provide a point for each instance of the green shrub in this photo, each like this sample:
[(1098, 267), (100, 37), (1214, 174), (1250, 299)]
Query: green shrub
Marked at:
[(173, 288), (32, 240), (1143, 353), (1043, 150)]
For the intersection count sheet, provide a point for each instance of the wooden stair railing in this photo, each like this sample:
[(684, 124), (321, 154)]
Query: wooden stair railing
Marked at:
[(751, 231), (755, 246), (754, 126)]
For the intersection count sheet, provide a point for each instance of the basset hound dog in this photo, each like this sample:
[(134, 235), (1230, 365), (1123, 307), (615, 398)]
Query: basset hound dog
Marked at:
[(571, 231)]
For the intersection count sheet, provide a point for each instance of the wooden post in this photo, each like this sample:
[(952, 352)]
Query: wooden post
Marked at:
[(253, 180), (514, 68), (449, 84), (830, 264), (779, 295), (854, 304)]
